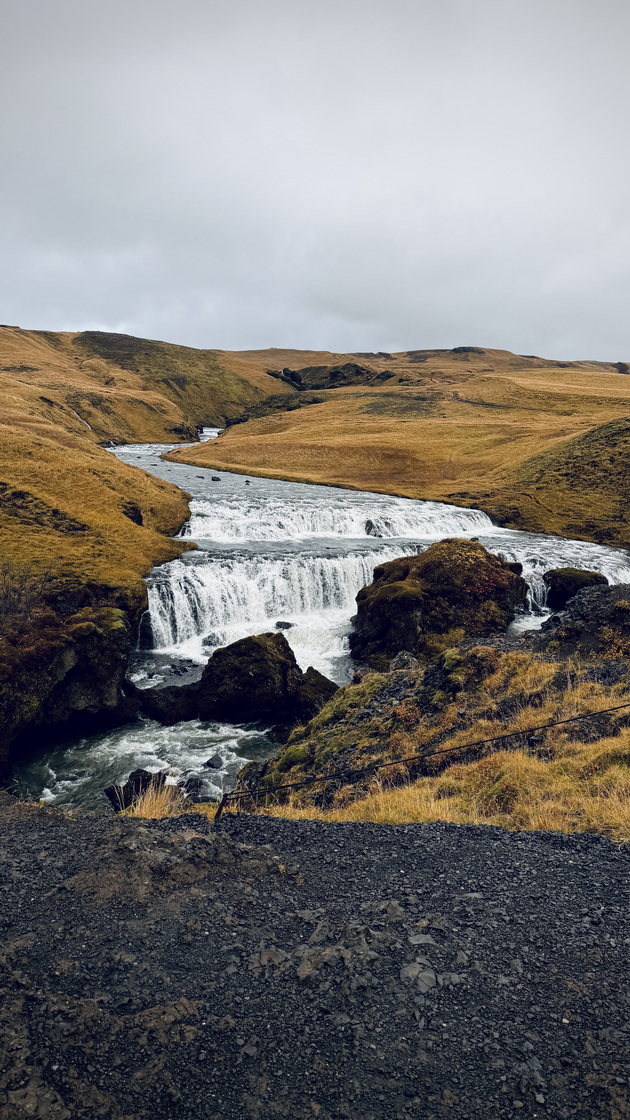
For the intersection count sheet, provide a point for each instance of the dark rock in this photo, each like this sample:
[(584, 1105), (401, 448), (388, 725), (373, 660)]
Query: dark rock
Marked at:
[(145, 632), (259, 678), (284, 625), (404, 660), (71, 674), (371, 530), (173, 704), (138, 782), (214, 763), (594, 623), (193, 787), (424, 604), (215, 478), (256, 678), (315, 690), (564, 583)]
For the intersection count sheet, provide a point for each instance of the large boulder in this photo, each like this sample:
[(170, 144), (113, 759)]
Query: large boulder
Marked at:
[(173, 704), (424, 604), (253, 679), (564, 583), (259, 678), (64, 674)]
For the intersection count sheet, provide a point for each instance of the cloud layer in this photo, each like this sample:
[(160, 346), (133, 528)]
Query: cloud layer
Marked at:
[(346, 174)]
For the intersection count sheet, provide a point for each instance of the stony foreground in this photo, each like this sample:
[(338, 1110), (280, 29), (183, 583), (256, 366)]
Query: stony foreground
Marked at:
[(285, 969)]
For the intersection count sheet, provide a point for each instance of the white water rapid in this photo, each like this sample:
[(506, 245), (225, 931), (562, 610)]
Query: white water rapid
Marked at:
[(269, 555)]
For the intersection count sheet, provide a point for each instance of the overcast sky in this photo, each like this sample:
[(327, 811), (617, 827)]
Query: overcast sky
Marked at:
[(338, 174)]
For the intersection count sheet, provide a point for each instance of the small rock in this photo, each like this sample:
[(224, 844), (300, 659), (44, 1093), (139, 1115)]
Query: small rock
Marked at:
[(404, 660)]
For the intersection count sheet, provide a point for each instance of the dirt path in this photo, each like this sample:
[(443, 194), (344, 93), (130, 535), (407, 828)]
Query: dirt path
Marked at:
[(283, 969)]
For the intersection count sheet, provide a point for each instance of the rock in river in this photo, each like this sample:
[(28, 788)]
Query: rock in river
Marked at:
[(424, 604), (564, 583), (253, 679)]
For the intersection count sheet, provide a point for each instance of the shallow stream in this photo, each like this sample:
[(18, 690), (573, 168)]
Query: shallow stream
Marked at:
[(270, 555)]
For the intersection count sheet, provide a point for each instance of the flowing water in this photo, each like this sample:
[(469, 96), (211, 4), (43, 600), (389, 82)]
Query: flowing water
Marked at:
[(271, 555)]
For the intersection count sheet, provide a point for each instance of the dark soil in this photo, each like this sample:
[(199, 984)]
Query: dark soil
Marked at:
[(160, 970)]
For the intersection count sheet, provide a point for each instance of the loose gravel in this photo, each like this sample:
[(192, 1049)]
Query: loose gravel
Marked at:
[(299, 969)]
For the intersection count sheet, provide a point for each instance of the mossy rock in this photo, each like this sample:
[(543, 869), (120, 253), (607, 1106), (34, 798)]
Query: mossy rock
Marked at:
[(426, 603), (292, 756)]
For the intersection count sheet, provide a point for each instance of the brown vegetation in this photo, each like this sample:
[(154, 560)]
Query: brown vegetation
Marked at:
[(75, 518), (538, 444), (573, 776)]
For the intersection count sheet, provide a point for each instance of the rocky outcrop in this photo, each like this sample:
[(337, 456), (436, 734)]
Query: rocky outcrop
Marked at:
[(595, 623), (424, 604), (64, 672), (253, 679), (564, 583)]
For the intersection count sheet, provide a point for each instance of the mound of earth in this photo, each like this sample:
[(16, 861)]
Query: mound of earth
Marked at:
[(426, 603), (564, 583), (158, 971), (253, 679)]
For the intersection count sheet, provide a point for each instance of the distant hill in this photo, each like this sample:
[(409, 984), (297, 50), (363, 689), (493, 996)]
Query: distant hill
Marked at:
[(537, 443)]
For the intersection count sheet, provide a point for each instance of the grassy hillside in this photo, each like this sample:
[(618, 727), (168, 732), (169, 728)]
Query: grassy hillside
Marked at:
[(66, 502), (538, 444)]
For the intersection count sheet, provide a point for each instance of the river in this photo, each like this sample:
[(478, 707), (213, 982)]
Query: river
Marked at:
[(269, 555)]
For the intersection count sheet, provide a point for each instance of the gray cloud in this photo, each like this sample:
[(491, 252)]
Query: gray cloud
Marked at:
[(356, 174)]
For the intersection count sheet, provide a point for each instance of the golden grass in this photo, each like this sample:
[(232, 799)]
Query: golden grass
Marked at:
[(584, 788), (559, 784), (158, 802), (63, 394), (471, 432)]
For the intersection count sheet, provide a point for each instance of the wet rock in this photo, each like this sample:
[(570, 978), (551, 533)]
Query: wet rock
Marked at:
[(71, 674), (424, 604), (256, 678), (214, 763), (193, 787), (173, 704), (138, 782), (594, 623), (284, 625), (564, 583), (259, 678)]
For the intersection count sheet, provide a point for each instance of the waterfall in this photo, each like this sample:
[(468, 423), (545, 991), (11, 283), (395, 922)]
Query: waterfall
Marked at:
[(273, 551), (248, 518), (222, 594), (539, 554)]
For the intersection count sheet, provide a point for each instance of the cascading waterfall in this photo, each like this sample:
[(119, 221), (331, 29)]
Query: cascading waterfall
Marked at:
[(260, 519), (272, 552), (217, 596)]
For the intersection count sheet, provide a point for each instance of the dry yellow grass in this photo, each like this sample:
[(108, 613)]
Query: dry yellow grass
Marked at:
[(585, 788), (158, 802), (469, 429), (562, 784), (59, 398)]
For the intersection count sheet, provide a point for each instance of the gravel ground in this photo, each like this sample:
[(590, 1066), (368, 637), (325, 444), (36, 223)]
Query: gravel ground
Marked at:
[(296, 969)]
